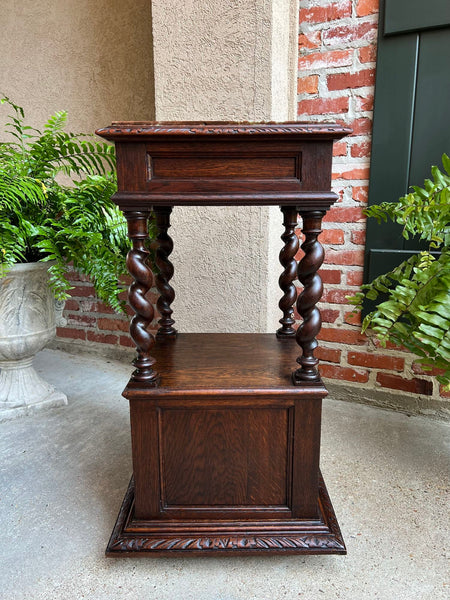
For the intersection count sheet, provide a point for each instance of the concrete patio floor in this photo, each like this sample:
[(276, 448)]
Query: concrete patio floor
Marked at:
[(63, 474)]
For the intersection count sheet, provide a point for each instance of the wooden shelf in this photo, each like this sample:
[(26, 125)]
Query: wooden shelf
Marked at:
[(203, 363)]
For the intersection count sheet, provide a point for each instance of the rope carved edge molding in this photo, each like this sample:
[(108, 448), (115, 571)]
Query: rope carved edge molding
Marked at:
[(168, 128)]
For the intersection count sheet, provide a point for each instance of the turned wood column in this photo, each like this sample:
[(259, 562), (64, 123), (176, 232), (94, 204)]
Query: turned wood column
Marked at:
[(308, 298), (166, 291), (139, 268), (286, 280)]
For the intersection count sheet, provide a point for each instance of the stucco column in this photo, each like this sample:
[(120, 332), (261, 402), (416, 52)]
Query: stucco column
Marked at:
[(216, 60)]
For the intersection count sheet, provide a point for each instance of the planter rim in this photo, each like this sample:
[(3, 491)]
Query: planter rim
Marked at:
[(30, 266)]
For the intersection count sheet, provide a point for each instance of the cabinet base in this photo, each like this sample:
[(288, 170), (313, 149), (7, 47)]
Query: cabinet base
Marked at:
[(132, 537)]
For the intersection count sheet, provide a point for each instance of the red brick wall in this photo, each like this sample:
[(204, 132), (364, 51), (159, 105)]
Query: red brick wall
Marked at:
[(91, 321), (337, 54)]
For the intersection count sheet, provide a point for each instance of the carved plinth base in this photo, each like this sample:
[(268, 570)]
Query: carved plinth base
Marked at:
[(132, 536)]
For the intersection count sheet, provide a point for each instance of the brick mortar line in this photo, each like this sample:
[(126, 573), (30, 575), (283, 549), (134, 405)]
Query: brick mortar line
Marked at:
[(306, 3), (351, 161), (344, 227), (405, 373), (350, 52), (336, 95), (434, 397), (330, 69), (73, 314), (313, 26), (342, 93)]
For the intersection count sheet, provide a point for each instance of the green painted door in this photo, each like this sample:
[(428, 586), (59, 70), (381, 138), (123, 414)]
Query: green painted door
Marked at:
[(411, 128)]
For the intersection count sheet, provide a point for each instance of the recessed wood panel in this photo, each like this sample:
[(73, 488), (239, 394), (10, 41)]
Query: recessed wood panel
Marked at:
[(206, 167), (218, 458)]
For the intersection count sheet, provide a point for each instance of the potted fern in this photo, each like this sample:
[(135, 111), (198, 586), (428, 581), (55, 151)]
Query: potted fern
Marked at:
[(55, 209), (413, 307)]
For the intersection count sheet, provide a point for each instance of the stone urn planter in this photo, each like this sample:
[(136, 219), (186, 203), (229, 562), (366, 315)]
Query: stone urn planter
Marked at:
[(27, 324)]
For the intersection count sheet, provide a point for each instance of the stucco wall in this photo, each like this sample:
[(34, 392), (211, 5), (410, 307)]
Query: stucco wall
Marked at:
[(93, 59), (214, 60)]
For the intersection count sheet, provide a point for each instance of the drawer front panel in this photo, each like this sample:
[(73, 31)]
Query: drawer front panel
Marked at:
[(206, 167)]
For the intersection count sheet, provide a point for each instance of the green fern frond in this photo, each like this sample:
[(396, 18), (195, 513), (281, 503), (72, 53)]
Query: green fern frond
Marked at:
[(416, 313), (56, 122), (41, 219)]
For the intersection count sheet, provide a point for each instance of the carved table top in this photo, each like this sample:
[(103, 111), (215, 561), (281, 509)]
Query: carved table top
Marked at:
[(221, 163), (120, 129)]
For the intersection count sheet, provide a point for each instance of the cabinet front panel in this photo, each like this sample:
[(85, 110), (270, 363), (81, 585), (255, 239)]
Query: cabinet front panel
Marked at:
[(229, 457), (219, 457)]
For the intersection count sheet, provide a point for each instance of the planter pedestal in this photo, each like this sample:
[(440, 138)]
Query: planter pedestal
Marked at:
[(27, 324), (23, 392)]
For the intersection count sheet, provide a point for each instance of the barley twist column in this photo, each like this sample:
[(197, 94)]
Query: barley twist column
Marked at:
[(166, 291), (139, 269), (286, 280), (308, 298)]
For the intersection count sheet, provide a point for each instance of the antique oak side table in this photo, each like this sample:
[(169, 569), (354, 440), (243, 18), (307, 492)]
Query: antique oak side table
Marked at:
[(225, 431)]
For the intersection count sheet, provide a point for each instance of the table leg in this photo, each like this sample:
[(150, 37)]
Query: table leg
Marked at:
[(166, 291), (139, 268), (286, 280), (308, 298)]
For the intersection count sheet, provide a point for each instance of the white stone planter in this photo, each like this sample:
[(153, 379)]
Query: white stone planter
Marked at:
[(27, 324)]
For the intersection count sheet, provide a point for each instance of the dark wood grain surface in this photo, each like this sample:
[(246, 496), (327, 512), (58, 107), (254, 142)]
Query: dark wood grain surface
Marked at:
[(165, 272), (289, 274), (130, 129), (224, 451), (199, 363), (172, 164)]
